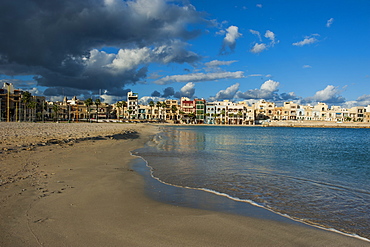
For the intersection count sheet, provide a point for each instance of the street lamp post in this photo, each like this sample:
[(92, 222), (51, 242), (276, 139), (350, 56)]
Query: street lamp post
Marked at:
[(8, 104)]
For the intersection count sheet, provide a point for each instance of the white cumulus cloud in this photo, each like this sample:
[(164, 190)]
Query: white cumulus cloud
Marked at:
[(307, 41), (267, 91), (186, 91), (228, 93), (232, 34), (270, 35), (258, 48), (330, 94)]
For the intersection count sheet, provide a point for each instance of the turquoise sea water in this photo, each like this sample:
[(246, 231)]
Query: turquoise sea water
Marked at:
[(316, 175)]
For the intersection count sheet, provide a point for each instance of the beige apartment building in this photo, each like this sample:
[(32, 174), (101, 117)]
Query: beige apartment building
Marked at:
[(264, 111), (76, 110)]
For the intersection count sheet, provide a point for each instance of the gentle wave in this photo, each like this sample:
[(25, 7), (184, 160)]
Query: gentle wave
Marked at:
[(312, 224)]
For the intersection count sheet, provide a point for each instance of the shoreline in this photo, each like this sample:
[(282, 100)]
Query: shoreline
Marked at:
[(86, 194), (290, 123), (197, 198)]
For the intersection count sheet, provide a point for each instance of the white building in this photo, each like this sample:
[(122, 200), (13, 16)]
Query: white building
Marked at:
[(132, 105)]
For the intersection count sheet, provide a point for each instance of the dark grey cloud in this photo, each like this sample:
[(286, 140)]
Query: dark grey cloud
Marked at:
[(168, 92), (54, 40), (156, 94)]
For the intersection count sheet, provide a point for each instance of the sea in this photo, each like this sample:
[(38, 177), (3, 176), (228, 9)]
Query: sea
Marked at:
[(315, 176)]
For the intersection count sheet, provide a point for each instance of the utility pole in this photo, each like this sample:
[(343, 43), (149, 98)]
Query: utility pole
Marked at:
[(8, 104), (16, 111)]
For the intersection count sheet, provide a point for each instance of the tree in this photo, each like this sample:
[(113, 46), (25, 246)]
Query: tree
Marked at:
[(56, 111), (223, 115), (44, 108), (88, 102), (26, 99), (158, 105), (129, 114), (124, 104), (191, 116), (182, 115), (32, 106), (173, 110), (240, 116), (118, 105), (97, 103), (164, 107), (151, 104)]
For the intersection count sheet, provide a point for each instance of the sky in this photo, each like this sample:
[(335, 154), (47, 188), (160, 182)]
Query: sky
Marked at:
[(305, 51)]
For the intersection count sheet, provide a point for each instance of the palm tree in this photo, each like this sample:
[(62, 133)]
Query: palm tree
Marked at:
[(88, 102), (158, 105), (32, 106), (44, 108), (151, 104), (56, 111), (124, 104), (182, 115), (118, 105), (26, 99), (223, 115), (173, 110), (164, 106), (191, 116), (240, 116), (129, 114), (97, 103)]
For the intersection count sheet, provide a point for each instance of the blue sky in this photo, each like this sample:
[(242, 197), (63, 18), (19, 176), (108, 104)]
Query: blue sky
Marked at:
[(305, 51)]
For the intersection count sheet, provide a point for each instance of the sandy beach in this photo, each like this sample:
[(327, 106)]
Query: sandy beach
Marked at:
[(72, 185)]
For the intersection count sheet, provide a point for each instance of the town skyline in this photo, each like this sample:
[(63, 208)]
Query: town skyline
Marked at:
[(239, 51)]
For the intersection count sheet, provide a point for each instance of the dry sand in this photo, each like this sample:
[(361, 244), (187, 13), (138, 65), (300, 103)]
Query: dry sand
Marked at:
[(84, 193)]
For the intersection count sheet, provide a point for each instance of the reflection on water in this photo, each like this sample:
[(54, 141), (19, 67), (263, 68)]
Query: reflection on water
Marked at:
[(316, 175)]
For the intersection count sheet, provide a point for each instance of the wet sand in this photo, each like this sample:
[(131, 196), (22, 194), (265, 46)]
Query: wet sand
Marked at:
[(59, 190)]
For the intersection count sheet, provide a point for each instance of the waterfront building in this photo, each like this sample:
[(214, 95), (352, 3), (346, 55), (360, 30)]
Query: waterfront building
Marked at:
[(210, 112), (301, 113), (187, 110), (10, 103), (132, 105), (337, 114), (235, 114), (172, 110), (264, 111), (144, 112), (357, 113), (200, 110), (367, 114), (320, 111), (289, 111), (226, 112), (221, 112), (248, 114), (16, 105)]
